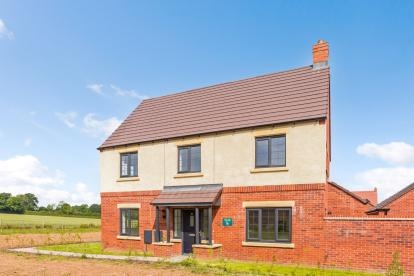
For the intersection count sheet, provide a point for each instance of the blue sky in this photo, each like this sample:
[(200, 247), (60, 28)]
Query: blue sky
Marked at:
[(70, 71)]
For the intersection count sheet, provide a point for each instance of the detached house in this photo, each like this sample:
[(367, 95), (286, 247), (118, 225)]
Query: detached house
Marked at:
[(237, 170)]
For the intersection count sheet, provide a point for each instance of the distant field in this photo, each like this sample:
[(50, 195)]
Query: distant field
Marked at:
[(12, 222)]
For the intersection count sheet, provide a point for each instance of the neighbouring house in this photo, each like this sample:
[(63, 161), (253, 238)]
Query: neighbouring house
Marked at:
[(401, 204), (241, 170), (372, 196)]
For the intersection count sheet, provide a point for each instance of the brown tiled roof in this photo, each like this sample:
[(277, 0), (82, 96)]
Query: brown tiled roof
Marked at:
[(189, 195), (288, 96), (370, 195), (383, 204)]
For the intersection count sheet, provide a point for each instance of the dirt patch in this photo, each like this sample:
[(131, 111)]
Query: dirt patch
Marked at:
[(26, 264), (22, 264)]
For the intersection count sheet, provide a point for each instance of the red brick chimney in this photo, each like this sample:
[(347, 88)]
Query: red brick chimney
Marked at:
[(320, 54)]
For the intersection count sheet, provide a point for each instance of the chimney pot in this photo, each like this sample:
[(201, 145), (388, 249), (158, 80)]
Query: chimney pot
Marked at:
[(320, 54)]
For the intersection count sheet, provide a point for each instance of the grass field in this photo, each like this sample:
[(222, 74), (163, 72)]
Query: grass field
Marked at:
[(16, 223)]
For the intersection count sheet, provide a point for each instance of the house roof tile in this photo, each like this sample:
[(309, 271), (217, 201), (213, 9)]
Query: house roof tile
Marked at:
[(294, 95)]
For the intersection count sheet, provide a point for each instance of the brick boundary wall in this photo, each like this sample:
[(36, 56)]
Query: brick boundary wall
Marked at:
[(369, 243)]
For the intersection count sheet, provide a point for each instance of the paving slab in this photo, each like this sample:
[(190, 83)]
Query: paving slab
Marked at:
[(34, 250)]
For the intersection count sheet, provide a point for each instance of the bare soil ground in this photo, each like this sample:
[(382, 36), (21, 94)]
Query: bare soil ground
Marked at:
[(25, 264)]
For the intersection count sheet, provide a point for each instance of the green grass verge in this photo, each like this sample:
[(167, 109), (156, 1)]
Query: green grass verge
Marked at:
[(219, 267), (226, 267), (21, 221), (92, 248)]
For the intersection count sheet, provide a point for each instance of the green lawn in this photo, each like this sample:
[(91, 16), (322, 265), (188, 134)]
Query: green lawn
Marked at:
[(229, 267), (91, 248), (16, 223), (219, 267)]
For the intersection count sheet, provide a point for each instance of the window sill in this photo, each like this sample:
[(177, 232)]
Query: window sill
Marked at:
[(202, 242), (271, 169), (127, 179), (269, 244), (207, 246), (119, 237), (185, 175), (163, 243)]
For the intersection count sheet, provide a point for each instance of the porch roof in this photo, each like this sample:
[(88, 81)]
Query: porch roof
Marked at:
[(189, 195)]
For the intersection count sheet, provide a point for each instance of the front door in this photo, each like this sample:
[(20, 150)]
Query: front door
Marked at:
[(188, 230)]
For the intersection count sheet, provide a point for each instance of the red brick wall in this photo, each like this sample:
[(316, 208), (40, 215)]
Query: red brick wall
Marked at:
[(208, 253), (307, 223), (369, 244), (110, 223), (341, 204), (110, 217), (402, 207)]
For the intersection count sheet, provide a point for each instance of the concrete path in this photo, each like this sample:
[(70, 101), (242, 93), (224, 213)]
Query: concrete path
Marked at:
[(178, 259), (34, 250)]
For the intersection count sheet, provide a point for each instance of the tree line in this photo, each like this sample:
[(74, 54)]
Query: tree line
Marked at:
[(28, 203)]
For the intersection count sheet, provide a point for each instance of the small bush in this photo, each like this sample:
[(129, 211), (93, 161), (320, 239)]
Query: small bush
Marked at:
[(395, 268), (90, 225)]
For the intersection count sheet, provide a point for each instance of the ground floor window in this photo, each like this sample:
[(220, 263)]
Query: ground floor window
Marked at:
[(129, 222), (204, 224), (269, 224), (177, 224)]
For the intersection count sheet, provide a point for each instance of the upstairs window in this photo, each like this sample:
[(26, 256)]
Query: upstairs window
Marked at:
[(129, 164), (271, 151), (129, 222), (189, 159)]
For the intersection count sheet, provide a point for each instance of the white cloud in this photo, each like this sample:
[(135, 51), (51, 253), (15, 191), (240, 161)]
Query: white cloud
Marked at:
[(99, 128), (4, 31), (27, 142), (68, 118), (83, 195), (128, 93), (95, 87), (399, 153), (27, 169), (26, 174), (387, 180)]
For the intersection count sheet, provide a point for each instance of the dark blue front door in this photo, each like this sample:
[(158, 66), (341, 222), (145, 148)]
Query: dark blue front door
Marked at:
[(188, 230)]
